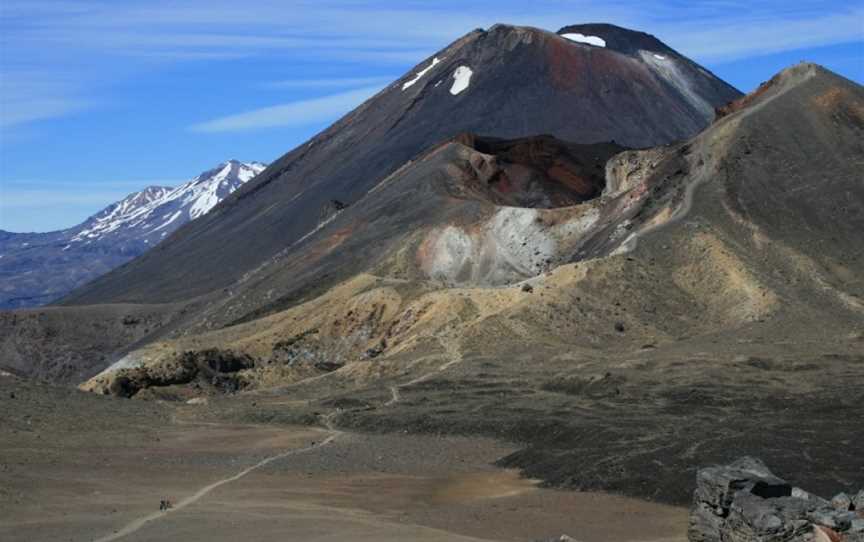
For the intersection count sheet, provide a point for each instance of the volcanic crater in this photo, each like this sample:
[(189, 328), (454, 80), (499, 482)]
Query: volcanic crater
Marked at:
[(538, 172)]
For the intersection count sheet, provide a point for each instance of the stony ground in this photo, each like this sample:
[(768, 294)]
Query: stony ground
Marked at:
[(637, 422), (76, 466)]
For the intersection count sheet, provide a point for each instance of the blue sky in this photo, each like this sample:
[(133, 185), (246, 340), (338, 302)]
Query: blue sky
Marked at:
[(101, 98)]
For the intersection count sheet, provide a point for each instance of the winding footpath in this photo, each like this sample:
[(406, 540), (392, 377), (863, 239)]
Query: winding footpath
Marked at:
[(137, 524), (455, 356)]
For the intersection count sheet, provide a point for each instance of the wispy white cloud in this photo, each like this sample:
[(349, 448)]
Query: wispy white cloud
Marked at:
[(346, 24), (28, 96), (182, 55), (335, 82), (299, 113), (127, 186), (15, 112), (751, 37)]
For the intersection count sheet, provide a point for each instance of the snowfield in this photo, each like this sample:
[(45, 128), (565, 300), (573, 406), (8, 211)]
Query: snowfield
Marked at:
[(582, 38), (462, 78), (420, 74)]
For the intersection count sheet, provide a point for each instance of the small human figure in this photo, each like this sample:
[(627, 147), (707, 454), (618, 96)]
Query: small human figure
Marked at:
[(162, 505)]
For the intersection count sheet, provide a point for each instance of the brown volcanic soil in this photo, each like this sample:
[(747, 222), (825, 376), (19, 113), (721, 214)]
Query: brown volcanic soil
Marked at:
[(77, 466), (636, 416)]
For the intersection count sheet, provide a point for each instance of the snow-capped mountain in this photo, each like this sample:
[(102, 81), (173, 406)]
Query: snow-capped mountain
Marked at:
[(155, 212), (36, 268)]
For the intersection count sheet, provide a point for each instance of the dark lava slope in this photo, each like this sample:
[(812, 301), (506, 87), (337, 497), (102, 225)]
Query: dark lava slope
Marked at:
[(507, 82)]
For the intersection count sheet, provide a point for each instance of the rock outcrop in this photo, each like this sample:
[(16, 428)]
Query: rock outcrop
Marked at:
[(745, 501)]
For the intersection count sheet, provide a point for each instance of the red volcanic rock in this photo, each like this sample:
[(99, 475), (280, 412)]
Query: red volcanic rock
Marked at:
[(539, 172)]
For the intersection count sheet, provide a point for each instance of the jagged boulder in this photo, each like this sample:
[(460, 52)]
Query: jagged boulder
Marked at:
[(858, 501), (745, 502), (841, 501)]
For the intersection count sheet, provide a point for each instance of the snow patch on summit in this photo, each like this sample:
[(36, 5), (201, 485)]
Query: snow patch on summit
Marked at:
[(461, 79), (596, 41), (420, 74)]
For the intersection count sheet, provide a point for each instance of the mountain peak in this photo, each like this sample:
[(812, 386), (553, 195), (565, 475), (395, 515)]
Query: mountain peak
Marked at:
[(802, 71), (250, 164), (602, 35), (509, 81), (229, 171), (616, 38), (785, 80)]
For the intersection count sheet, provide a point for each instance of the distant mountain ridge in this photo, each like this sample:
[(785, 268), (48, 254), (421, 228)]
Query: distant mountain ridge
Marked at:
[(36, 268), (150, 215)]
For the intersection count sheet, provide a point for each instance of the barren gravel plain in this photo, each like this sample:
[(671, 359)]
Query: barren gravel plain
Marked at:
[(99, 476)]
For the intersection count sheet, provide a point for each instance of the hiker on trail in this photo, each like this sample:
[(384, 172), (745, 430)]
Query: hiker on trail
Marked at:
[(162, 505)]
